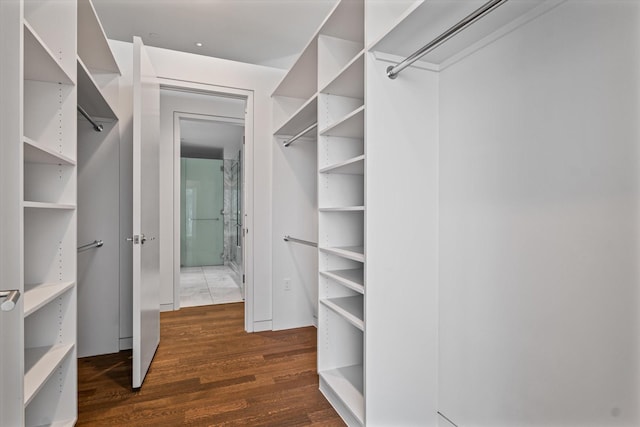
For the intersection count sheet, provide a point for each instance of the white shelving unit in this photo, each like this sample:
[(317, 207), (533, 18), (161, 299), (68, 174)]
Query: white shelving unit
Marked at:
[(49, 213), (325, 87)]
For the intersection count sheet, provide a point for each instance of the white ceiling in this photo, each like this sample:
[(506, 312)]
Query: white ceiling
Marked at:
[(266, 32)]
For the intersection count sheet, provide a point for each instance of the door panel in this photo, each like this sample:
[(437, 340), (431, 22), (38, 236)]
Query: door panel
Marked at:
[(146, 259), (203, 204)]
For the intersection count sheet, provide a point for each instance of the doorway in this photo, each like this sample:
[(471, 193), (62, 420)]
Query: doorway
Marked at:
[(197, 104), (211, 262)]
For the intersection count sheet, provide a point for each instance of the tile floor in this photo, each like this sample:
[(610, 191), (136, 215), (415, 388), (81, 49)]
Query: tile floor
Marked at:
[(208, 285)]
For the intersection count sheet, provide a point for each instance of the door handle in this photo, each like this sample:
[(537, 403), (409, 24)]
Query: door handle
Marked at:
[(139, 239), (10, 298)]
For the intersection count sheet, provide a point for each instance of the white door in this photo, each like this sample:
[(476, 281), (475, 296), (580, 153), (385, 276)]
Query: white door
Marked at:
[(146, 256)]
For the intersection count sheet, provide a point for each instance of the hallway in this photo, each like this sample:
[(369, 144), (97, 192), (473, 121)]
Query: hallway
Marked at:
[(209, 372)]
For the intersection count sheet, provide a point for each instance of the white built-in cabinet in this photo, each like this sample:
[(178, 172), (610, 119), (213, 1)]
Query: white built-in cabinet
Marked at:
[(477, 215), (53, 79)]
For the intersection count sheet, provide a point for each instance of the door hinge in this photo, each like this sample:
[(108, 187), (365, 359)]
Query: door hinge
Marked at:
[(243, 278)]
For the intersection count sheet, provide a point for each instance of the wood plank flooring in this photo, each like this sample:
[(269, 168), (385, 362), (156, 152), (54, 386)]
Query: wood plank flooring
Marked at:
[(209, 372)]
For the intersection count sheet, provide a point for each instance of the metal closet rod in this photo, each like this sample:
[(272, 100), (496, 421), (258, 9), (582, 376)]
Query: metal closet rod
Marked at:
[(97, 127), (301, 134), (394, 70), (94, 244), (302, 242)]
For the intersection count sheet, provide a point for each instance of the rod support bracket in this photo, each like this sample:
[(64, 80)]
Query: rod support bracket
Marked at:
[(390, 72)]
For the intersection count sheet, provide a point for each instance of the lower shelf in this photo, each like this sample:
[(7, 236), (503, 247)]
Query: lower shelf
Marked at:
[(343, 388), (63, 423), (39, 364), (350, 308)]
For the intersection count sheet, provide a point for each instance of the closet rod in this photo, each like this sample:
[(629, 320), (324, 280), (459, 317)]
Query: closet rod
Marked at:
[(96, 126), (394, 70), (302, 242), (304, 132), (94, 244)]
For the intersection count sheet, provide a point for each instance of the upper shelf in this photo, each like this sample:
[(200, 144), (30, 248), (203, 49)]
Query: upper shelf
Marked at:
[(39, 63), (349, 81), (350, 126), (429, 19), (304, 117), (302, 79), (345, 21), (90, 97), (93, 47)]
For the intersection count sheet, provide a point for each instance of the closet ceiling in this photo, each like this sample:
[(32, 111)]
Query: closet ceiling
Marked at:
[(266, 32)]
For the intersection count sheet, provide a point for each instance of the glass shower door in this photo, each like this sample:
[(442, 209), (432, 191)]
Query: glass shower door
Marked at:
[(202, 223)]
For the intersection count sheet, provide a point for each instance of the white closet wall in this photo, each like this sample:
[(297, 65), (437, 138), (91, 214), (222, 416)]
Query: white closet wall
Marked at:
[(98, 189), (539, 193), (534, 110)]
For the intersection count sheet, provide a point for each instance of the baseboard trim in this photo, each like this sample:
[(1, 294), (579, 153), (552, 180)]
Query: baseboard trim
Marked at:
[(126, 343), (265, 325)]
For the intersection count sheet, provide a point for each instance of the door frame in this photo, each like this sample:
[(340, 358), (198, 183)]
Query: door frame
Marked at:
[(247, 176)]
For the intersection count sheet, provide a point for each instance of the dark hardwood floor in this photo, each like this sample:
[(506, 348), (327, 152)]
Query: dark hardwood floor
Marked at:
[(209, 372)]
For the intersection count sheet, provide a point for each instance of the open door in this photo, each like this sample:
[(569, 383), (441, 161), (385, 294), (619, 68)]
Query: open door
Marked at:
[(146, 254)]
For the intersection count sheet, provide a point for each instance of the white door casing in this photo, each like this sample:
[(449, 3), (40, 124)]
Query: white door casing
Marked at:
[(146, 258)]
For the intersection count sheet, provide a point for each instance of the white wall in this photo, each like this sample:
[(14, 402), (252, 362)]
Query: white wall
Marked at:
[(539, 223), (295, 213), (170, 102), (98, 210), (184, 67)]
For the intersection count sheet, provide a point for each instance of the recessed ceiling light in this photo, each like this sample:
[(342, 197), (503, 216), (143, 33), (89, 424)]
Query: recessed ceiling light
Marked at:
[(198, 44)]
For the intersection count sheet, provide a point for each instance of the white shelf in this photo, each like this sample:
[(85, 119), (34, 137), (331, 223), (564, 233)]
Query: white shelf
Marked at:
[(350, 126), (354, 166), (345, 21), (301, 80), (347, 384), (350, 308), (93, 47), (39, 63), (343, 209), (39, 364), (304, 117), (426, 21), (38, 153), (352, 278), (40, 295), (90, 96), (355, 253), (349, 81), (46, 205)]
